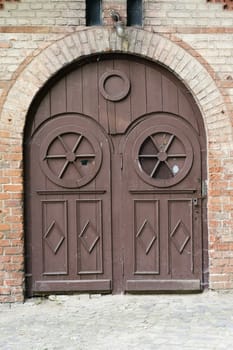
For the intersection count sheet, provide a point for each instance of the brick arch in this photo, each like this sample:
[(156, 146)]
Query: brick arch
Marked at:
[(139, 42)]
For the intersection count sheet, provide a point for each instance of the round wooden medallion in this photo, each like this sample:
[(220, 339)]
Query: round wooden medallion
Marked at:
[(114, 85)]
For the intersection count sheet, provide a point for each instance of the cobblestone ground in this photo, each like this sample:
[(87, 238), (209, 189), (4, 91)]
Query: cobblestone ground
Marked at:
[(151, 322)]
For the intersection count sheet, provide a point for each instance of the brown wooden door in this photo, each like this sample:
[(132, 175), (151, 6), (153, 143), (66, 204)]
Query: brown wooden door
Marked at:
[(114, 166), (70, 207), (161, 216)]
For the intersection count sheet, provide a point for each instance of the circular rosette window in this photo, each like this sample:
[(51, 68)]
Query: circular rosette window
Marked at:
[(70, 156), (163, 156)]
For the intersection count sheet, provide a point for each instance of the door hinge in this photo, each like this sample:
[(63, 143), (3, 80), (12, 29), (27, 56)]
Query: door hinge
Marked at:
[(196, 201), (204, 188)]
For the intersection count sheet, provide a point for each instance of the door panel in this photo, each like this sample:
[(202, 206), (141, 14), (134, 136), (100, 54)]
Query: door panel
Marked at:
[(54, 237), (89, 233), (69, 197), (161, 179), (181, 222), (146, 237)]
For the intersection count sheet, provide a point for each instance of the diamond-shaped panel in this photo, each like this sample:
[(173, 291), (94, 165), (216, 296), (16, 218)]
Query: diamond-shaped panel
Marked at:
[(180, 236), (54, 237), (146, 236), (89, 237)]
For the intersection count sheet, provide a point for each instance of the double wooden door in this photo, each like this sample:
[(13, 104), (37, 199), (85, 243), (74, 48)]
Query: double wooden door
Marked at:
[(114, 211)]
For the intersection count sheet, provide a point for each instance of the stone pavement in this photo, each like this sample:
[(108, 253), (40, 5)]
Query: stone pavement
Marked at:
[(122, 322)]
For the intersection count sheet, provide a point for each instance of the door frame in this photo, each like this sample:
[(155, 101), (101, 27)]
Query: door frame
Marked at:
[(202, 138)]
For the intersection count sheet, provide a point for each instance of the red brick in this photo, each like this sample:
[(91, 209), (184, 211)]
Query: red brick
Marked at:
[(4, 291), (5, 259), (12, 267), (5, 243), (4, 196), (12, 156), (13, 188), (13, 172), (15, 218), (4, 134), (10, 283), (4, 227), (13, 250)]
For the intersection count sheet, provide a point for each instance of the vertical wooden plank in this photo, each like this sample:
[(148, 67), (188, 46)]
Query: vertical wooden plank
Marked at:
[(170, 96), (90, 90), (111, 107), (138, 89), (43, 113), (119, 224), (104, 118), (122, 108), (58, 97), (186, 109), (165, 272), (74, 91), (153, 90)]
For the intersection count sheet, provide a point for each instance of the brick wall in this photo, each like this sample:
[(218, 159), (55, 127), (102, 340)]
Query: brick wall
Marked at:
[(183, 13), (186, 13), (32, 32), (34, 13)]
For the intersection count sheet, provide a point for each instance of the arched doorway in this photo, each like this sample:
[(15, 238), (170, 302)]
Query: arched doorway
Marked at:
[(114, 170)]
